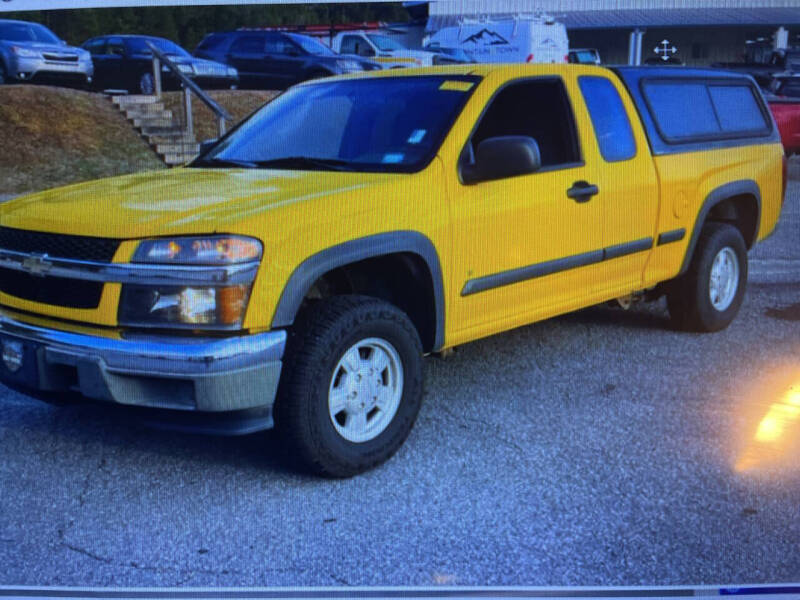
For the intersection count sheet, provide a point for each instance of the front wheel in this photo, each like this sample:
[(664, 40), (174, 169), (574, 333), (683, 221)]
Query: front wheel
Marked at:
[(708, 296), (147, 84), (352, 386), (3, 75)]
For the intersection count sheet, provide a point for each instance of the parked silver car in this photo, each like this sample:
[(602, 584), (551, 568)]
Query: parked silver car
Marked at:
[(31, 52)]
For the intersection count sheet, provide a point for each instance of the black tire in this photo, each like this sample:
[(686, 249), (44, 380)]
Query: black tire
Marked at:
[(145, 85), (321, 337), (3, 74), (688, 297)]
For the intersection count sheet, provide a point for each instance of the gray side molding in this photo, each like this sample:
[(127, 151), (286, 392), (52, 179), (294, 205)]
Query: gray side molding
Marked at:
[(723, 192), (394, 242)]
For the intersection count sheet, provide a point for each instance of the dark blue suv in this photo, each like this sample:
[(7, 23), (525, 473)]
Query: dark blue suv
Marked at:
[(277, 60)]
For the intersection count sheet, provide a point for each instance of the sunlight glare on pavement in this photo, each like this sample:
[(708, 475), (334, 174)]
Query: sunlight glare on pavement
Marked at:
[(777, 433)]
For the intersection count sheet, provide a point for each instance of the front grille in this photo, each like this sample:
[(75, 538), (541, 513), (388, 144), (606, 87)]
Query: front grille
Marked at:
[(61, 57), (58, 246), (56, 291)]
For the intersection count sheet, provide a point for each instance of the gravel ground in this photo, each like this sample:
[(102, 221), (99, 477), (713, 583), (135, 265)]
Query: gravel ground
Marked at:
[(599, 448)]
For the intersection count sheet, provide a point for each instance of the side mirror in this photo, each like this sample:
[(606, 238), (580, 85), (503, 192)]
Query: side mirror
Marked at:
[(503, 157), (206, 145)]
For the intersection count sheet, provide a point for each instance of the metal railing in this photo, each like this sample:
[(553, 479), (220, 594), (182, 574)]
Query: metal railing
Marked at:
[(189, 88)]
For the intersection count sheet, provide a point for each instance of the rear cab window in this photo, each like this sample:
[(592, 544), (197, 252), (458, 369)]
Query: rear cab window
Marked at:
[(697, 110), (694, 110)]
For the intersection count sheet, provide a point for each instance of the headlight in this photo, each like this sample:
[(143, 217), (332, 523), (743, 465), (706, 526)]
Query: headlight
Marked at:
[(185, 68), (24, 52), (194, 307), (212, 306), (349, 65), (212, 250), (232, 72)]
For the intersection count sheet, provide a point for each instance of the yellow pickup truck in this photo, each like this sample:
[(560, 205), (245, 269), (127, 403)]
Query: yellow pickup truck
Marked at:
[(296, 273)]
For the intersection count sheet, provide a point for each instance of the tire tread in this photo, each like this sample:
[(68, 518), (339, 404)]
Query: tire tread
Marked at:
[(319, 328)]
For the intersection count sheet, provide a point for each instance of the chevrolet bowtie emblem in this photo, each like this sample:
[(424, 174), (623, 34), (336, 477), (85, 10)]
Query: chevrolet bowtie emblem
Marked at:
[(37, 265)]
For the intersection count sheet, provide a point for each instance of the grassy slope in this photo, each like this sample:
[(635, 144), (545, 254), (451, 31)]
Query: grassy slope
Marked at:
[(54, 136)]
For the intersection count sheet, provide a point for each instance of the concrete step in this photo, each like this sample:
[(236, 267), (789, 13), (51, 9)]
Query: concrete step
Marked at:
[(130, 100), (145, 116), (178, 148), (179, 137), (144, 109), (168, 130), (154, 121), (178, 159)]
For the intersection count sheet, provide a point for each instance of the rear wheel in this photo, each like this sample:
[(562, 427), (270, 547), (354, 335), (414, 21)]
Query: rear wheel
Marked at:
[(352, 387), (708, 296)]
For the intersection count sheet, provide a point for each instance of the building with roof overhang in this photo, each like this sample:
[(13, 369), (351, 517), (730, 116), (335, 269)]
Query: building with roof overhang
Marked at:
[(629, 31)]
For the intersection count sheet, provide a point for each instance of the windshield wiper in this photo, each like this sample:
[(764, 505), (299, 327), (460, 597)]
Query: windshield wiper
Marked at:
[(305, 162), (222, 162)]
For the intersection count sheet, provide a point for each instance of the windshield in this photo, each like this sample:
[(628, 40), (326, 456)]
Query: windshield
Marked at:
[(312, 46), (587, 57), (384, 124), (455, 53), (138, 46), (385, 44), (27, 32)]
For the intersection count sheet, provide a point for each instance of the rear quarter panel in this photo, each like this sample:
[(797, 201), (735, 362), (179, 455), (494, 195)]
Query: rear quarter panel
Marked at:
[(687, 179)]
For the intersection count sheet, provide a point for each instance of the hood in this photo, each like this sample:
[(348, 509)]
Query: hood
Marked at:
[(416, 56), (45, 47), (205, 62), (359, 59), (204, 67), (178, 201)]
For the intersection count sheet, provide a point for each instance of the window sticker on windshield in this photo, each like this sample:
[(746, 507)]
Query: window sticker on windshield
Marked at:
[(417, 136), (456, 86), (392, 159)]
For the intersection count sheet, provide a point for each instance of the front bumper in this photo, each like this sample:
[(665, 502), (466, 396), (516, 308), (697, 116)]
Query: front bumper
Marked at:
[(210, 375), (39, 69), (215, 82)]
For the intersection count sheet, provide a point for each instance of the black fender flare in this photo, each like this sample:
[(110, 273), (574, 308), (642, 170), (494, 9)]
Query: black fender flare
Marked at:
[(717, 195), (383, 244)]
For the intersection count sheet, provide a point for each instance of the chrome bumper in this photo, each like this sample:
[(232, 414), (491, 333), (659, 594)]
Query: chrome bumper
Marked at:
[(192, 374)]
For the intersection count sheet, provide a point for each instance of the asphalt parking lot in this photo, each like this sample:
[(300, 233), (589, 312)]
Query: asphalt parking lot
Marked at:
[(599, 448)]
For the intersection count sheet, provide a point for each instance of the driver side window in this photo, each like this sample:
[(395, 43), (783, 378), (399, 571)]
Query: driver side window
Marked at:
[(354, 44), (534, 108), (116, 47), (280, 45)]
